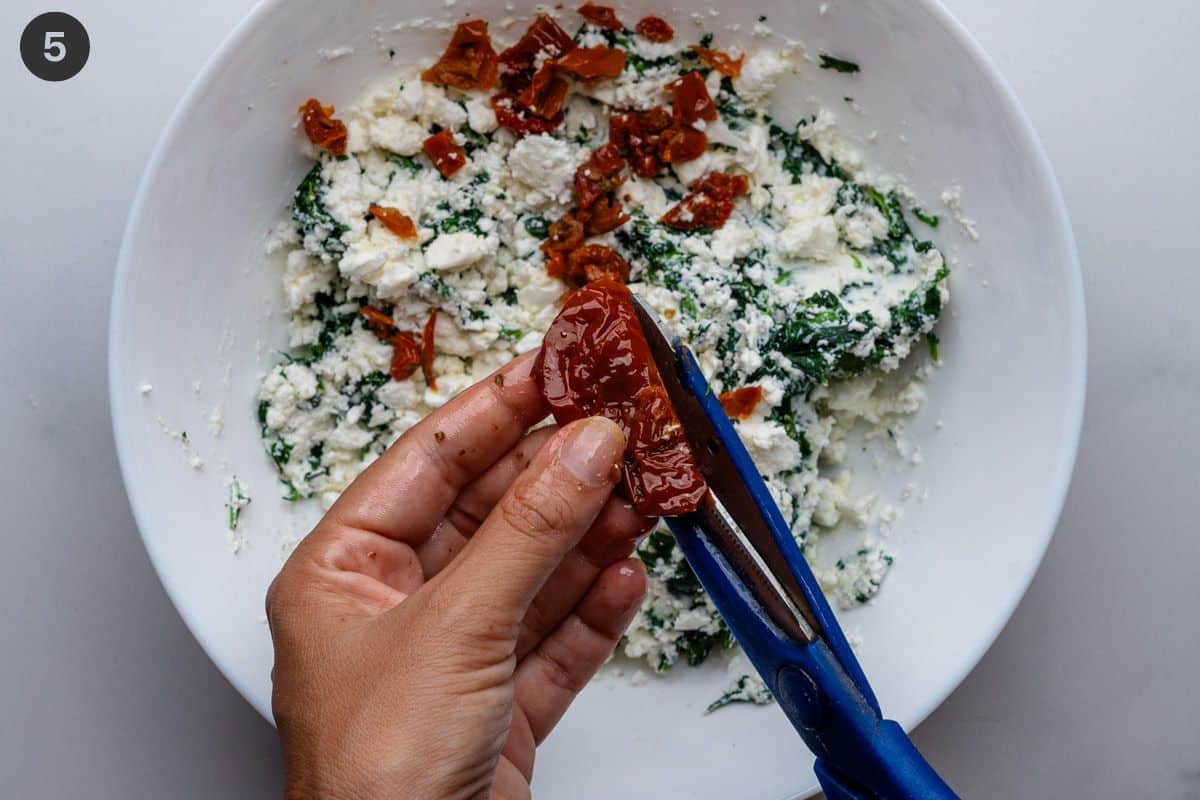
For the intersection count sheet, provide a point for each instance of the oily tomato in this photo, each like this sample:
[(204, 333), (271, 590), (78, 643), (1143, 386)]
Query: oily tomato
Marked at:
[(322, 129), (445, 153), (720, 61), (709, 203), (602, 173), (596, 262), (469, 62), (654, 29), (592, 63), (740, 403), (595, 361), (427, 350), (678, 145), (395, 221), (406, 353), (690, 100), (543, 36), (601, 16)]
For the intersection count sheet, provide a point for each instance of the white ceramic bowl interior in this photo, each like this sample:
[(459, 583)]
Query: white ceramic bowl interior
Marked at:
[(197, 316)]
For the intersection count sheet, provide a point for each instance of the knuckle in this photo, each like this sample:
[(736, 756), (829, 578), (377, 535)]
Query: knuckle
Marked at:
[(559, 673), (535, 510)]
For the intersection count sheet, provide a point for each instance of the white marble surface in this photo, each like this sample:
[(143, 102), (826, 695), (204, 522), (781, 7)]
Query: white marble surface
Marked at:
[(1088, 692)]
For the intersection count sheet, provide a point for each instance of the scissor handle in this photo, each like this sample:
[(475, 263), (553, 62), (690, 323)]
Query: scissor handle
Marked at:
[(860, 755)]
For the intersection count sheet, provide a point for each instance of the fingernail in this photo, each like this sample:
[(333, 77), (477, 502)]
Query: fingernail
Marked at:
[(592, 451)]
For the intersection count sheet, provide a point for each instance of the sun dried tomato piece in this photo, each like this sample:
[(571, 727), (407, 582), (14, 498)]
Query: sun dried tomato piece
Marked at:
[(690, 100), (323, 130), (395, 221), (511, 116), (721, 62), (596, 262), (678, 145), (604, 215), (445, 153), (654, 29), (563, 236), (406, 356), (565, 233), (545, 94), (469, 62), (601, 16), (599, 175), (698, 212), (595, 361), (709, 204), (378, 322), (637, 134), (543, 36), (722, 185), (427, 349), (591, 63), (740, 403)]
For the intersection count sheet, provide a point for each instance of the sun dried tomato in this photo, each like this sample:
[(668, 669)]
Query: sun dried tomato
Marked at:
[(543, 36), (722, 185), (469, 61), (511, 116), (427, 349), (591, 63), (654, 29), (721, 62), (740, 403), (322, 129), (682, 144), (447, 156), (545, 94), (595, 361), (595, 262), (599, 175), (378, 322), (690, 100), (637, 134), (564, 234), (601, 16), (709, 204), (604, 215), (406, 356), (395, 221)]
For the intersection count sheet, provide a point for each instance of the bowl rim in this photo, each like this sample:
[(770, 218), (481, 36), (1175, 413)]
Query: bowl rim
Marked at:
[(1075, 308)]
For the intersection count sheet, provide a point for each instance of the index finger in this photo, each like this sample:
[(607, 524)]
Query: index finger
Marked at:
[(407, 491)]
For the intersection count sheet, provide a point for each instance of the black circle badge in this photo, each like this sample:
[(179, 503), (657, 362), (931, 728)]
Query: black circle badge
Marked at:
[(55, 46)]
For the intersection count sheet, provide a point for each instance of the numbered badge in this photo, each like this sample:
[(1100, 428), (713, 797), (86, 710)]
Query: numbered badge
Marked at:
[(55, 46)]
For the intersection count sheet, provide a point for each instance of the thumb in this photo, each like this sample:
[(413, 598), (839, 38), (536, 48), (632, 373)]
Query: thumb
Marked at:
[(546, 511)]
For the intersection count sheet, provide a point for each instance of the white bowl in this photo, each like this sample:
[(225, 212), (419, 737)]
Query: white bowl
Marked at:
[(197, 315)]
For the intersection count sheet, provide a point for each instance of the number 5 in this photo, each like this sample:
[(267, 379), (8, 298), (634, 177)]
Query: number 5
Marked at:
[(55, 50)]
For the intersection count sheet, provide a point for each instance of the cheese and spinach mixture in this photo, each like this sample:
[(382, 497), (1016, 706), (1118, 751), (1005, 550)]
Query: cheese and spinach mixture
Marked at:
[(817, 284)]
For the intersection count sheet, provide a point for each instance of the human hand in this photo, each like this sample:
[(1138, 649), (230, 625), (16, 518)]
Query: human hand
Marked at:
[(435, 625)]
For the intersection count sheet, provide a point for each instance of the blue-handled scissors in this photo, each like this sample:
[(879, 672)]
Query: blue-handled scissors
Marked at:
[(743, 551)]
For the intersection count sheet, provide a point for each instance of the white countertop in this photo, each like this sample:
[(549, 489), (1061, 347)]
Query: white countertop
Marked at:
[(1088, 692)]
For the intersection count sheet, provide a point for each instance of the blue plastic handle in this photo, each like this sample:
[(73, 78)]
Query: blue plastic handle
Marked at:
[(819, 685)]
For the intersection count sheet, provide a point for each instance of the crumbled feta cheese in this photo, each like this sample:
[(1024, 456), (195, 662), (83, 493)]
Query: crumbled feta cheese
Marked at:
[(456, 250), (546, 165)]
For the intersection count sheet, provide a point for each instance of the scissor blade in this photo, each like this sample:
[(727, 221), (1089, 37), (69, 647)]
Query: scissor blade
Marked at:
[(722, 475)]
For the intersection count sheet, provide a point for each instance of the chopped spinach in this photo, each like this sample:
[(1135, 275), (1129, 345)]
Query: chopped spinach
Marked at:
[(537, 226), (313, 219), (838, 64), (409, 164)]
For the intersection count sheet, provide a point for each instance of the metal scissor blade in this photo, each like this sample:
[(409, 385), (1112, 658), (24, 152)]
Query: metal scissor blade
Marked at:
[(725, 482)]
